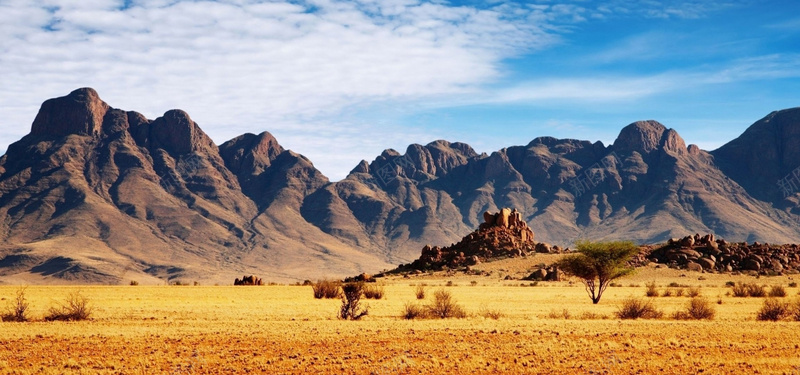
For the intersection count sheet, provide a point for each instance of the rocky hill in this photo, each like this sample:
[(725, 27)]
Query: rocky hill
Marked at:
[(98, 194)]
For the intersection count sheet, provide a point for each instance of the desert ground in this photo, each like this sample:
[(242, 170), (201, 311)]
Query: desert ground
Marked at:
[(282, 329)]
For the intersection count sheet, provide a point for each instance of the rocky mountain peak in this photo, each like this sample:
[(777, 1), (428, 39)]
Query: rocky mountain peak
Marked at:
[(645, 137), (640, 136), (250, 152), (81, 112), (177, 133)]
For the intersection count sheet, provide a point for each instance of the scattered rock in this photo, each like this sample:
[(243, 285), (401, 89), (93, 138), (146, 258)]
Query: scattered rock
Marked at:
[(248, 280)]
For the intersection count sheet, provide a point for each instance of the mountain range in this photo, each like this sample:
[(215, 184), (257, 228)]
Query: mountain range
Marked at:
[(95, 194)]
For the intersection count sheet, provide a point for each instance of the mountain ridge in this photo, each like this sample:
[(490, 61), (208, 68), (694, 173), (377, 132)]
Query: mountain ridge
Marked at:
[(109, 195)]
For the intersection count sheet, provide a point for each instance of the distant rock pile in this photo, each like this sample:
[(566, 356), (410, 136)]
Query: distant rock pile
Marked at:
[(248, 280), (502, 234), (705, 253)]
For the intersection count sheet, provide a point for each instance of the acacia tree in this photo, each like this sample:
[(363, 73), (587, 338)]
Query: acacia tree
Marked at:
[(597, 263)]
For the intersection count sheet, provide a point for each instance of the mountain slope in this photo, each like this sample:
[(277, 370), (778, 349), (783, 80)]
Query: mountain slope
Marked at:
[(157, 199), (98, 194)]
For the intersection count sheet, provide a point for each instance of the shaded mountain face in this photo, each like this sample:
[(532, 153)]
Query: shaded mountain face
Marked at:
[(98, 194)]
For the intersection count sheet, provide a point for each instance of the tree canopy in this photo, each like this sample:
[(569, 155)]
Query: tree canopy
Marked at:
[(597, 263)]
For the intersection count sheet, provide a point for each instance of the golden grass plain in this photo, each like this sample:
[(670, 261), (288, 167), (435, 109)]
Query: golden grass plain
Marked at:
[(284, 330)]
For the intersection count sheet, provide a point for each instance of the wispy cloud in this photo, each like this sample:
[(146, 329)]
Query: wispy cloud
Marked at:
[(306, 70), (260, 63)]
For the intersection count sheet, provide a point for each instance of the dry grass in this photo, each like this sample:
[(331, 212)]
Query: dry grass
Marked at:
[(328, 289), (636, 308), (420, 291), (75, 308), (698, 308), (283, 330), (373, 291), (17, 310), (773, 310)]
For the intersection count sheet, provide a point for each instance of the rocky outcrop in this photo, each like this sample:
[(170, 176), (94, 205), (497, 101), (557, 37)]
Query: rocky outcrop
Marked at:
[(502, 234), (81, 113), (708, 254), (248, 280)]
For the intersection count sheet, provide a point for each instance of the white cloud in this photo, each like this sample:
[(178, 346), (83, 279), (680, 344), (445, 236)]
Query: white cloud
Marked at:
[(250, 64)]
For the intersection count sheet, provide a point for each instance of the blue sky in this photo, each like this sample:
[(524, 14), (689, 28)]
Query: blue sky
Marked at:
[(341, 80)]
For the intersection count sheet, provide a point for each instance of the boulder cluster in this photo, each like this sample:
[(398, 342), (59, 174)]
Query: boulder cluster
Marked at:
[(248, 280), (551, 273), (502, 234), (705, 253)]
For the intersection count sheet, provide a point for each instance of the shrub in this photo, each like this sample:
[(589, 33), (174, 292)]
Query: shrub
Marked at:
[(373, 291), (588, 315), (698, 308), (76, 307), (730, 284), (777, 291), (679, 292), (694, 292), (667, 293), (327, 289), (473, 283), (491, 314), (792, 284), (651, 289), (449, 283), (351, 302), (674, 285), (414, 311), (635, 308), (444, 306), (134, 283), (772, 310), (563, 314), (18, 308), (740, 290), (755, 290), (420, 291), (795, 311)]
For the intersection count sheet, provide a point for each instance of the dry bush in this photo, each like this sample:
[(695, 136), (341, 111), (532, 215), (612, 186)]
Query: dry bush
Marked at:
[(740, 290), (420, 291), (795, 311), (563, 314), (444, 306), (679, 292), (327, 289), (792, 284), (754, 290), (17, 309), (588, 315), (134, 283), (694, 292), (491, 314), (667, 293), (76, 307), (372, 291), (698, 308), (351, 302), (414, 311), (772, 310), (652, 290), (777, 291), (635, 308)]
